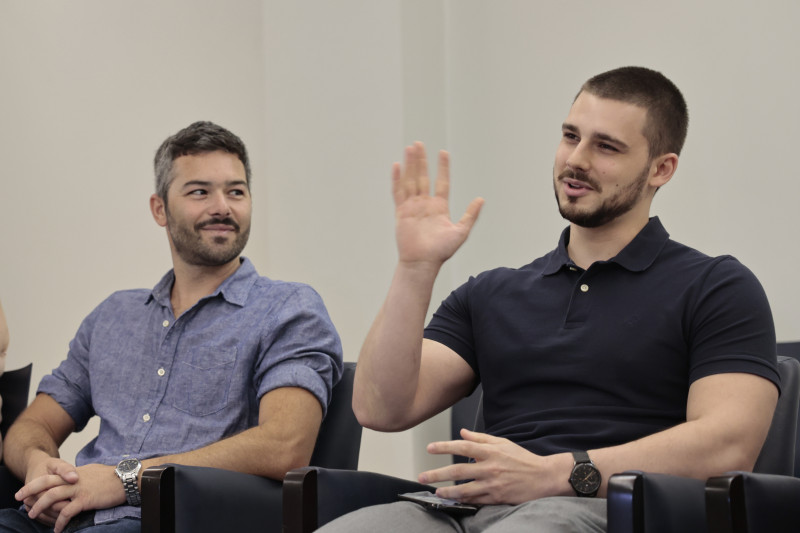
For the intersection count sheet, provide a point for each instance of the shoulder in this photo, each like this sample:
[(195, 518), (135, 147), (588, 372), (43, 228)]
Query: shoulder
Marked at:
[(289, 297), (684, 260), (497, 277), (118, 305)]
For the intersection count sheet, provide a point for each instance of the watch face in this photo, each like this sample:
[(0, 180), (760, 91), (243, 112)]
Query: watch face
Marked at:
[(585, 478), (128, 465)]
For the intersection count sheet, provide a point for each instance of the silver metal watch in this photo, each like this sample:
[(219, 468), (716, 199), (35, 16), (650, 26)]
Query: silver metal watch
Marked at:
[(128, 472)]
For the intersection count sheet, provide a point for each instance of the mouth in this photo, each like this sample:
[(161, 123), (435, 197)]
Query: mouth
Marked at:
[(218, 227), (576, 184)]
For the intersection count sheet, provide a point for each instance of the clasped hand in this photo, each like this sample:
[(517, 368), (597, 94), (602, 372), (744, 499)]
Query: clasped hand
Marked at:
[(502, 472), (55, 491)]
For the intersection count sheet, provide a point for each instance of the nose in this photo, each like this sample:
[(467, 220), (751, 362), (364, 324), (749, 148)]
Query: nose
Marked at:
[(219, 206), (578, 158)]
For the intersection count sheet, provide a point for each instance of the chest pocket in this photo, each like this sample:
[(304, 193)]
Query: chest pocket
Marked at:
[(201, 381)]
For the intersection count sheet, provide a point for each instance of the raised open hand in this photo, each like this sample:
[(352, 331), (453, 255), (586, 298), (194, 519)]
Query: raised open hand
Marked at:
[(424, 231)]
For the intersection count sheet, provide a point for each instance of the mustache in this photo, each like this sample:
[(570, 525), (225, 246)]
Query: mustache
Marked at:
[(226, 221), (579, 175)]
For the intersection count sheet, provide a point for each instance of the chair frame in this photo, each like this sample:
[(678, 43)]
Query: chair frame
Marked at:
[(246, 499)]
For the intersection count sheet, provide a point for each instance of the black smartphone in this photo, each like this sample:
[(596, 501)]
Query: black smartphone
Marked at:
[(431, 501)]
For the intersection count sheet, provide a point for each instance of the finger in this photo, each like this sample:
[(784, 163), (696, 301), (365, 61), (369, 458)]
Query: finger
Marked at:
[(398, 192), (67, 514), (476, 436), (471, 492), (38, 485), (423, 181), (49, 499), (442, 186), (471, 214), (65, 471), (467, 447), (455, 472), (409, 172)]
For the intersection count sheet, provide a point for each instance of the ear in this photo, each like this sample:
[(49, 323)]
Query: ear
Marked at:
[(159, 210), (662, 169)]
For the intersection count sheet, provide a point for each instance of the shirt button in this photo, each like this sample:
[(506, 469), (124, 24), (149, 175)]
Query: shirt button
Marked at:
[(584, 288), (165, 323), (161, 371), (146, 418)]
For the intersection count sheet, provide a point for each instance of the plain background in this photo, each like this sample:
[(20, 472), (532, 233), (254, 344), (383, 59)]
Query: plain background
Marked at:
[(326, 94)]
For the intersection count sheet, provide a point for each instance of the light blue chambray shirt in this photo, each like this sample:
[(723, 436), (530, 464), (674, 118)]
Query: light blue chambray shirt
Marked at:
[(162, 385)]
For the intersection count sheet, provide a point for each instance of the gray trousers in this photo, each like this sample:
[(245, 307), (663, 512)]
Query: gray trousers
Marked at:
[(548, 515)]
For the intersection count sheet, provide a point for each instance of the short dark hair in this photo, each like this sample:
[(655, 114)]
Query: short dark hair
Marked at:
[(667, 114), (198, 138)]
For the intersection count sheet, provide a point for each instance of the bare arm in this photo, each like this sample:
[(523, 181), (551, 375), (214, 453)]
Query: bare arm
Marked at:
[(727, 420), (289, 420), (36, 435), (401, 379)]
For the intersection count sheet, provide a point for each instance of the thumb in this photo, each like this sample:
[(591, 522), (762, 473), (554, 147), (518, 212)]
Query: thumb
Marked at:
[(471, 214), (66, 471)]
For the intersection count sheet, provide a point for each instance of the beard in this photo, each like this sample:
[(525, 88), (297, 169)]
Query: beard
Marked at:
[(191, 247), (613, 207)]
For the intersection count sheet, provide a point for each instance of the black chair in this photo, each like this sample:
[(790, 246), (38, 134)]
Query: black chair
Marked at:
[(14, 388), (641, 502), (745, 502), (182, 499), (314, 496)]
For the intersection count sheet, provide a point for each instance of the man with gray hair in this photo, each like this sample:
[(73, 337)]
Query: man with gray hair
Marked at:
[(215, 366)]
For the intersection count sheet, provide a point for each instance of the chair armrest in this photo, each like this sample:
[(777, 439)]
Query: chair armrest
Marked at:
[(9, 485), (747, 502), (182, 499), (314, 496), (655, 503)]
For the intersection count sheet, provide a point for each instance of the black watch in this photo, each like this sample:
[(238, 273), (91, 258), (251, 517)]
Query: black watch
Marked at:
[(585, 477)]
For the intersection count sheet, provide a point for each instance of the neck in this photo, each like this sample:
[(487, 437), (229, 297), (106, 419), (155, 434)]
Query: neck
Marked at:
[(590, 245), (194, 282)]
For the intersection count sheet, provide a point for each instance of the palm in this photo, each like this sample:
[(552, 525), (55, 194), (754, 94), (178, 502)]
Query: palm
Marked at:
[(424, 230)]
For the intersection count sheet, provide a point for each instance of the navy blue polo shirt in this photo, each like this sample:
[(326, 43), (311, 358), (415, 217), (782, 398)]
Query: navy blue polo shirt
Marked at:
[(574, 359)]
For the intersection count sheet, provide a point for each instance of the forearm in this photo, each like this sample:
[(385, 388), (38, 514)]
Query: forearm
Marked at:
[(27, 442), (388, 368), (688, 450), (289, 423), (248, 452)]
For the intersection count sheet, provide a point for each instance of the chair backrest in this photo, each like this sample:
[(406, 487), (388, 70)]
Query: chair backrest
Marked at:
[(792, 349), (14, 388), (778, 454), (339, 440), (467, 413)]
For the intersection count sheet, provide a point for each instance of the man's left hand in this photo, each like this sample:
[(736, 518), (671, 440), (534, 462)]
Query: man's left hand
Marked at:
[(502, 472)]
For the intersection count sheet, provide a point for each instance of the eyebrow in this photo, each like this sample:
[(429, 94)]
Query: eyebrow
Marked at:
[(202, 183), (598, 136)]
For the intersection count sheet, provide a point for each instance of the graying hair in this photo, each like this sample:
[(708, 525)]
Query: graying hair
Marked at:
[(197, 138)]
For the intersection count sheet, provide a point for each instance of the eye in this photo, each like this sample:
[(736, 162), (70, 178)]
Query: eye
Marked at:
[(570, 136), (197, 192), (607, 147), (237, 192)]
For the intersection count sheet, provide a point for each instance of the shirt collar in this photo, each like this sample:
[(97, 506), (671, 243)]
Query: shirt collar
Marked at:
[(637, 256), (233, 290)]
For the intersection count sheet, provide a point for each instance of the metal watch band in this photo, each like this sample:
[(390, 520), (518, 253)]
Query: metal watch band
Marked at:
[(131, 489)]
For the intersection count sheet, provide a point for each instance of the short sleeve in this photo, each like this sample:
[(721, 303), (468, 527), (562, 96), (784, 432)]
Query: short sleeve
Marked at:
[(302, 348), (731, 327)]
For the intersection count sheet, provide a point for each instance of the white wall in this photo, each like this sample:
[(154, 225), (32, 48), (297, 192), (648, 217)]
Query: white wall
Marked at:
[(326, 94)]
